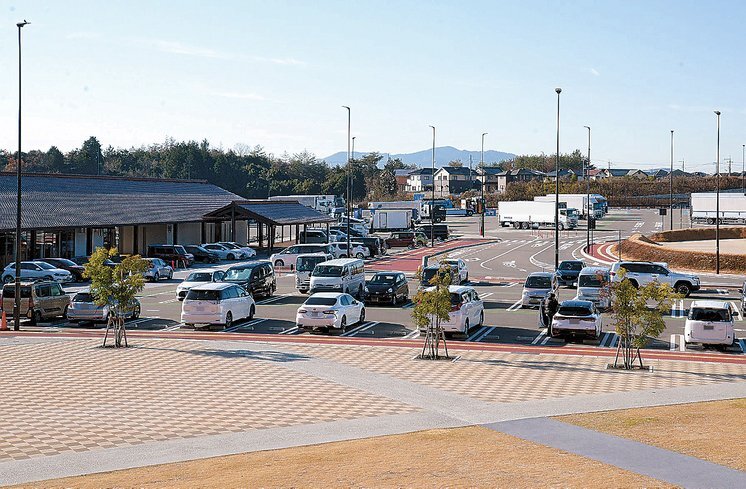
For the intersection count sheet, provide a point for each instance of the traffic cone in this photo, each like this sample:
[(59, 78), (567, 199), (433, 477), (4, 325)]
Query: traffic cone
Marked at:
[(4, 323)]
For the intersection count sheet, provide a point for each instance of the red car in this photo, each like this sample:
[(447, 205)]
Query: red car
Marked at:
[(406, 239)]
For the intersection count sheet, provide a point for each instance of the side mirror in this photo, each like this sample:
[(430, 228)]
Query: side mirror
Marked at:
[(735, 313), (354, 302)]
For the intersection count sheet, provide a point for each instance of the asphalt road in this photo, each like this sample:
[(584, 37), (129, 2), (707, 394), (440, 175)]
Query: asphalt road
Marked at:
[(497, 268)]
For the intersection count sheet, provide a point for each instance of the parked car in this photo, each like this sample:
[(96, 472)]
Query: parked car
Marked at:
[(594, 285), (201, 254), (158, 269), (216, 303), (641, 273), (175, 254), (459, 266), (198, 278), (576, 319), (83, 308), (223, 252), (36, 270), (376, 246), (710, 323), (567, 272), (327, 310), (39, 300), (538, 285), (467, 310), (248, 252), (82, 260), (304, 266), (337, 236), (406, 239), (288, 256), (339, 250), (65, 264), (388, 287), (743, 297), (345, 275), (256, 277), (430, 271), (310, 236), (440, 231), (342, 229)]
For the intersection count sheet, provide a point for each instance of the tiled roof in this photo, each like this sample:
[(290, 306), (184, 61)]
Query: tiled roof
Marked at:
[(278, 212), (457, 170), (61, 201), (403, 172), (490, 170), (422, 171)]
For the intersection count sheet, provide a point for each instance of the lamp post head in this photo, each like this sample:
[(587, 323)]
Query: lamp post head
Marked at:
[(717, 112), (558, 90), (484, 134), (588, 127), (345, 107), (21, 24)]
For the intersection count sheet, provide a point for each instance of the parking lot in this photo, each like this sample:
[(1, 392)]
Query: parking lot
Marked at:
[(497, 267)]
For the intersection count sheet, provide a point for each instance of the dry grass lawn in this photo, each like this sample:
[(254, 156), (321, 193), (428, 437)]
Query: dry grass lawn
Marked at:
[(711, 431), (463, 457)]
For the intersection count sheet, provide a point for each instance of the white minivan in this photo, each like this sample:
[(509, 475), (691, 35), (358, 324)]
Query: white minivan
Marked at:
[(594, 284), (217, 303), (287, 257), (346, 275), (710, 323), (304, 265)]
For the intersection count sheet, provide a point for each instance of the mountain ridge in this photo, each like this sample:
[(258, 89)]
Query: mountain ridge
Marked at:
[(443, 155)]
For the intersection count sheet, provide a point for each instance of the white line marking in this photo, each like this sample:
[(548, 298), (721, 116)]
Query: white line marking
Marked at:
[(743, 345), (735, 308), (272, 299), (412, 335), (292, 330), (516, 306), (606, 337), (243, 325), (481, 264), (357, 329), (682, 345), (477, 333), (546, 340), (541, 335), (672, 342)]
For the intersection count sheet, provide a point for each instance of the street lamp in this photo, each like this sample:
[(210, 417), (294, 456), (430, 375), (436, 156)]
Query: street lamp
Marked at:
[(353, 148), (670, 184), (556, 190), (717, 200), (743, 170), (17, 296), (588, 195), (432, 201), (484, 181), (349, 189)]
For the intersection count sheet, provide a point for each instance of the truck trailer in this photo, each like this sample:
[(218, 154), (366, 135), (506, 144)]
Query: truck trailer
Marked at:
[(530, 214), (390, 219), (732, 208), (580, 202)]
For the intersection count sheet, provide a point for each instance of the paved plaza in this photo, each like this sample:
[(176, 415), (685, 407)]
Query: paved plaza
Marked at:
[(72, 407)]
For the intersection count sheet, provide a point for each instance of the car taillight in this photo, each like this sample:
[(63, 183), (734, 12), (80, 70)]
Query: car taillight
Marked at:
[(455, 307), (330, 311), (302, 311)]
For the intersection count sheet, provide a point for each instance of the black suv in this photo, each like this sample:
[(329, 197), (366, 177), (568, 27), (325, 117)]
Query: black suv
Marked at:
[(171, 253), (431, 270), (440, 231), (256, 277), (375, 245), (202, 254), (568, 271)]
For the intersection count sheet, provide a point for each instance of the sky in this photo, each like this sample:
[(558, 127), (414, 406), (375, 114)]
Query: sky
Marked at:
[(277, 73)]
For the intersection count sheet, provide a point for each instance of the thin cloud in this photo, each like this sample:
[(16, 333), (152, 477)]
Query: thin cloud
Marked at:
[(83, 35), (175, 47), (594, 72), (282, 61), (239, 95)]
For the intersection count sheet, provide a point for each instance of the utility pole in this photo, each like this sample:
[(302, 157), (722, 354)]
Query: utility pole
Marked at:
[(17, 296), (557, 185), (670, 184), (349, 178), (484, 182)]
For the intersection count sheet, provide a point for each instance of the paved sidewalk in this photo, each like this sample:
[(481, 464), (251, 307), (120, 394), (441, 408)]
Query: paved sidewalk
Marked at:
[(76, 408)]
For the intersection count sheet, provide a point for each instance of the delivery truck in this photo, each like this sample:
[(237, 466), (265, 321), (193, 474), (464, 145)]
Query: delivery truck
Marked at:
[(580, 202), (530, 214), (390, 219), (414, 205), (732, 208)]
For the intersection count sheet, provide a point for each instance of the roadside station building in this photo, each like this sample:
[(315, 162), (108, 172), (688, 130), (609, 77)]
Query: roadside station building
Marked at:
[(70, 215)]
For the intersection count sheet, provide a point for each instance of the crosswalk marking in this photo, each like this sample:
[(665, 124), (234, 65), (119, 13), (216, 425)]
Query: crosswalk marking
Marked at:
[(609, 340)]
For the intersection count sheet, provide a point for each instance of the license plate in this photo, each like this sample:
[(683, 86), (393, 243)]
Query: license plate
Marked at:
[(709, 327)]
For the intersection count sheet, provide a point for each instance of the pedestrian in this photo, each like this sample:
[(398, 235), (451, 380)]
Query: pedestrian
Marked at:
[(550, 305)]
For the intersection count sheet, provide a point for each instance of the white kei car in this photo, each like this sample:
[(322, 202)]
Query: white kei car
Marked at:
[(223, 252), (358, 250), (467, 310), (710, 323), (327, 310), (198, 277), (576, 319), (248, 252), (460, 267), (217, 303)]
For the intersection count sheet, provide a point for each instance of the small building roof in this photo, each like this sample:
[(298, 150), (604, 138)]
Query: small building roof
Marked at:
[(273, 212)]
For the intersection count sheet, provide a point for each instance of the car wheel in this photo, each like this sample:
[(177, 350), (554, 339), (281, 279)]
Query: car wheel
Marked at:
[(7, 279), (466, 328), (362, 315), (359, 256), (156, 277), (64, 313), (279, 263), (251, 313), (683, 289), (35, 318), (481, 319), (228, 320), (343, 323), (231, 256), (634, 283), (561, 227)]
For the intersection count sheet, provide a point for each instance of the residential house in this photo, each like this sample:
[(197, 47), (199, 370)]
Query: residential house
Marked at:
[(489, 176), (454, 180), (564, 174), (401, 177), (420, 180), (616, 173), (499, 183)]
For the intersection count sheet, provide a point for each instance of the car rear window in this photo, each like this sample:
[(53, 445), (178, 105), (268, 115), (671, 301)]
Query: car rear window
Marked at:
[(708, 314), (574, 311), (9, 292), (571, 265), (83, 297), (538, 282), (321, 301), (589, 281), (203, 295)]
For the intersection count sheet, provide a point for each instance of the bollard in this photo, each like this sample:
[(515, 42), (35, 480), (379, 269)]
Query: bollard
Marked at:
[(4, 323)]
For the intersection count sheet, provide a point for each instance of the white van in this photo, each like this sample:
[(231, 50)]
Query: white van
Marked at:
[(594, 284), (346, 275), (286, 258), (710, 323), (304, 265)]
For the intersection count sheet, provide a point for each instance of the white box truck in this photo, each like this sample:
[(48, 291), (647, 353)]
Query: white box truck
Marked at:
[(414, 205), (390, 219), (732, 208), (528, 214), (322, 203), (579, 202)]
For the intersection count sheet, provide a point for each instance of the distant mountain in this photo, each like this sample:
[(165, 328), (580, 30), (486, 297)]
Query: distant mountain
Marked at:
[(443, 155)]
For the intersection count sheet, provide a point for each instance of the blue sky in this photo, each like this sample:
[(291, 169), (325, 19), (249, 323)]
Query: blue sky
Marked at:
[(276, 73)]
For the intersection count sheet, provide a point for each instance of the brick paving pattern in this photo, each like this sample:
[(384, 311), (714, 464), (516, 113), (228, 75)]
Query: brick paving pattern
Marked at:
[(508, 377), (74, 396)]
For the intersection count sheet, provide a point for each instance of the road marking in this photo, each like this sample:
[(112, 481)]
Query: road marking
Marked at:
[(481, 264), (168, 301), (359, 328), (672, 342), (682, 344), (292, 330), (474, 335), (722, 291), (253, 322), (609, 340), (516, 306), (486, 295), (413, 334), (173, 328), (540, 264), (678, 309), (539, 337), (735, 308), (272, 299)]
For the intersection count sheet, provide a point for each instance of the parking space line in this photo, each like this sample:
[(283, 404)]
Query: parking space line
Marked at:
[(243, 325), (173, 328), (516, 306), (271, 299), (672, 342), (678, 310), (292, 330), (477, 333), (735, 308), (542, 334), (413, 334), (168, 301), (682, 345), (606, 337), (360, 328)]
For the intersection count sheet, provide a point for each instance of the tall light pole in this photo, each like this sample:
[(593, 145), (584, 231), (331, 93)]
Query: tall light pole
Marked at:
[(717, 200), (349, 185), (17, 296), (743, 170), (670, 184), (588, 195), (484, 182), (556, 190), (432, 201), (353, 148)]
